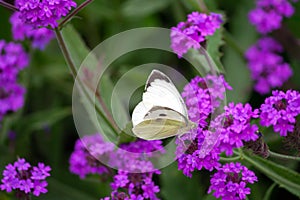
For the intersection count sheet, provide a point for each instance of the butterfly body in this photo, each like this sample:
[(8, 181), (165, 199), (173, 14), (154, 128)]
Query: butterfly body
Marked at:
[(162, 112)]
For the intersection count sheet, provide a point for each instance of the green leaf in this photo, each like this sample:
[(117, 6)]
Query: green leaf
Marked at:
[(39, 120), (269, 192), (79, 53), (214, 44), (242, 36), (141, 8), (284, 177)]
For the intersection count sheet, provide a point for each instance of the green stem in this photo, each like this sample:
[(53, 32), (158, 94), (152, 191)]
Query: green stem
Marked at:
[(8, 6), (282, 156), (75, 11), (208, 59), (229, 159), (73, 69), (231, 42)]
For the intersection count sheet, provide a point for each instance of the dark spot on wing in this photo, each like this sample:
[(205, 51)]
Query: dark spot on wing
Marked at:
[(162, 115), (155, 74)]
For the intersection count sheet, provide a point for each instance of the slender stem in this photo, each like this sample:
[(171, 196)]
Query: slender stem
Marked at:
[(66, 53), (202, 6), (101, 101), (75, 11), (228, 159), (283, 157), (8, 6), (231, 42), (72, 67), (208, 59)]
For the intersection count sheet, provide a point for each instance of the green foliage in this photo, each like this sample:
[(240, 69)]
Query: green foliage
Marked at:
[(45, 130), (283, 176)]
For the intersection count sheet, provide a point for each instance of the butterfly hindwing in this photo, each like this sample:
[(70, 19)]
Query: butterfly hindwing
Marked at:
[(156, 129)]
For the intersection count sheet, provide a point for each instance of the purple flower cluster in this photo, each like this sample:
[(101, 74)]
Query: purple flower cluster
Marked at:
[(233, 127), (40, 37), (13, 59), (83, 160), (203, 95), (189, 34), (24, 178), (266, 65), (230, 181), (268, 14), (134, 186), (280, 111), (134, 177), (135, 172), (227, 131), (44, 12)]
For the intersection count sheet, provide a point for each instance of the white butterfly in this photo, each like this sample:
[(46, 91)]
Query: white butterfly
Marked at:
[(162, 112)]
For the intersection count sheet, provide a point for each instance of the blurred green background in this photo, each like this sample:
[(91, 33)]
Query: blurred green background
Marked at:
[(44, 127)]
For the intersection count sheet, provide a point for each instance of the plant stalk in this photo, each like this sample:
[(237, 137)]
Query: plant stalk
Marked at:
[(73, 69), (73, 13), (282, 156), (8, 6)]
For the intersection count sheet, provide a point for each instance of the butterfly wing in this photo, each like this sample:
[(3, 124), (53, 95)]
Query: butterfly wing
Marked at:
[(159, 91), (160, 123), (156, 129)]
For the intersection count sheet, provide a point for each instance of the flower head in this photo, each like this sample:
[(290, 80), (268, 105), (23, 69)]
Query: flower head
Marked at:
[(230, 181), (40, 37), (267, 67), (11, 97), (202, 97), (13, 58), (44, 12), (83, 160), (268, 14), (189, 34), (22, 177), (280, 111), (135, 176), (236, 127)]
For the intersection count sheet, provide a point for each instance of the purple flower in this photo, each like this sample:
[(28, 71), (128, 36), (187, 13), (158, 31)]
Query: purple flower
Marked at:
[(19, 177), (268, 14), (40, 37), (280, 111), (40, 187), (230, 181), (13, 58), (267, 67), (40, 172), (202, 97), (21, 164), (85, 158), (45, 12), (236, 127), (191, 33), (11, 97), (134, 177)]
